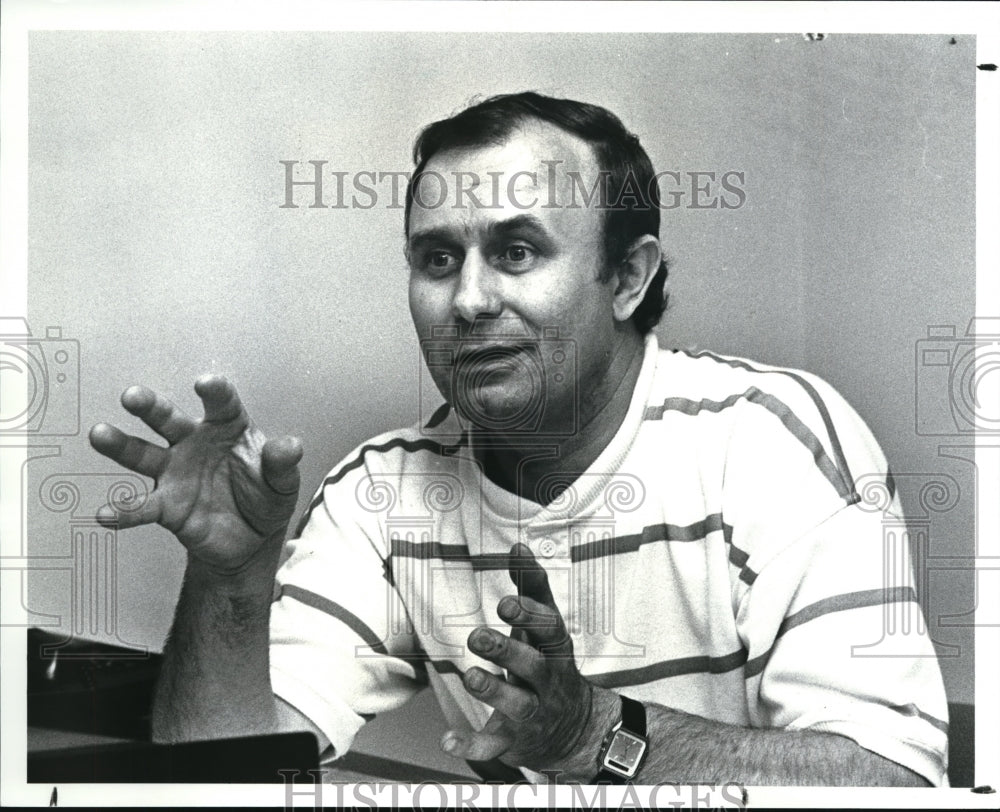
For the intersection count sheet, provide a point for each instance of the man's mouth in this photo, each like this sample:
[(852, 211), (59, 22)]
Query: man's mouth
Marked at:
[(476, 350), (499, 385), (495, 358)]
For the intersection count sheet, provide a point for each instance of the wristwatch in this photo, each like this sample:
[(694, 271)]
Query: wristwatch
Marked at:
[(625, 746)]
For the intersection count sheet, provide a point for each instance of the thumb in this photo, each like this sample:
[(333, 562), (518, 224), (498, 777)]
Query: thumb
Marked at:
[(529, 576), (279, 464)]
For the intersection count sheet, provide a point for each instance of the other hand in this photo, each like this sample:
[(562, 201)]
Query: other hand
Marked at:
[(546, 715)]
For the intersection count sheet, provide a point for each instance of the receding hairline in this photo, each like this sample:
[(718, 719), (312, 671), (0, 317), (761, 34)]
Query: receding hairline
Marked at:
[(585, 156)]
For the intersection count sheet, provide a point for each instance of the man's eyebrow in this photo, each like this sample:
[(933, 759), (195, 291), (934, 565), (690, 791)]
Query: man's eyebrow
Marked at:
[(442, 235), (431, 236), (520, 222)]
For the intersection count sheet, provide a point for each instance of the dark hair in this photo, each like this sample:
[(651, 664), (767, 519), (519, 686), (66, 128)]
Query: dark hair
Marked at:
[(630, 197)]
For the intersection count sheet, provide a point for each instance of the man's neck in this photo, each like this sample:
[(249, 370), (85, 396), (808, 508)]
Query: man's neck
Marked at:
[(520, 468)]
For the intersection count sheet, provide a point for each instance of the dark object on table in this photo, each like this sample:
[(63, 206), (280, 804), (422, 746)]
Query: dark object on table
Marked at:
[(961, 744), (90, 687), (250, 760)]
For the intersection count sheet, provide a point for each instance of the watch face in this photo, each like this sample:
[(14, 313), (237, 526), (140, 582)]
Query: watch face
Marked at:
[(625, 752)]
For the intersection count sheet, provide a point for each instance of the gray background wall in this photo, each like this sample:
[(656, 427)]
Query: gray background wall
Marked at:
[(157, 241)]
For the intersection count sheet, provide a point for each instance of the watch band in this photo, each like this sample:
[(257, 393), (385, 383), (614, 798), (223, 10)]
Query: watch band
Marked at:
[(633, 721), (633, 716)]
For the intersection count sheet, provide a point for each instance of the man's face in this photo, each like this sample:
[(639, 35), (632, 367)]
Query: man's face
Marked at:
[(521, 331)]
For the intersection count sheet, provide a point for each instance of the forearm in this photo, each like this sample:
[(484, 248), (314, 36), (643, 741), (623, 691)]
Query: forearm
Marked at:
[(215, 681), (690, 749), (550, 718)]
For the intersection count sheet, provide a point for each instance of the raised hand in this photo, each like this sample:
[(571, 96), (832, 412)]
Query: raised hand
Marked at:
[(222, 488), (546, 716)]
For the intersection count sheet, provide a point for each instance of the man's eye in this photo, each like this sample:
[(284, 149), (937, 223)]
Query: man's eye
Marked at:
[(439, 261), (518, 254)]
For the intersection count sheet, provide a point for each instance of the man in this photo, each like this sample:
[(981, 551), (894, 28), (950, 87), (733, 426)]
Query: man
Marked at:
[(690, 563)]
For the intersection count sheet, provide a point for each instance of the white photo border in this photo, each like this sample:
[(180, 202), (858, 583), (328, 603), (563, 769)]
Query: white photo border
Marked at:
[(22, 16)]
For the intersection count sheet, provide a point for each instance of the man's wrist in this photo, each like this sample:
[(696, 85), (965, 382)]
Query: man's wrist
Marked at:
[(580, 765), (252, 579)]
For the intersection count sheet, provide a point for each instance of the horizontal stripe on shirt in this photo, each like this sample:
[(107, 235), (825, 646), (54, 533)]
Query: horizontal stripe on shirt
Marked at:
[(325, 605), (631, 677), (358, 460), (697, 664), (810, 390), (912, 710), (614, 545), (799, 430), (837, 603), (669, 668)]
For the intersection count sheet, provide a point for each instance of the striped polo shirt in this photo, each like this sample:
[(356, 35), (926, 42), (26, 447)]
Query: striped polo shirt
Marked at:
[(716, 558)]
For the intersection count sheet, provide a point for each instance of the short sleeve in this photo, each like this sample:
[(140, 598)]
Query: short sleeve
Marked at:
[(837, 643), (826, 601), (342, 647)]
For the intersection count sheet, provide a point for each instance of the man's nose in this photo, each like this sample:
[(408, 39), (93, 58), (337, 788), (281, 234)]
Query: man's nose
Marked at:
[(477, 293)]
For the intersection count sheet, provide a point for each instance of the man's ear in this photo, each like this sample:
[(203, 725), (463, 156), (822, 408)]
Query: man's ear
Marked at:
[(634, 275)]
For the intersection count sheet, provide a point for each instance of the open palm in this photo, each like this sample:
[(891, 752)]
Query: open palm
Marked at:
[(225, 491)]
